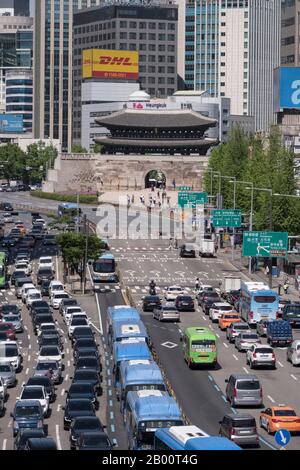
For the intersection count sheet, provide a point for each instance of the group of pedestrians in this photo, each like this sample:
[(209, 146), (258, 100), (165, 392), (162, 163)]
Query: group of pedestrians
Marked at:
[(157, 200)]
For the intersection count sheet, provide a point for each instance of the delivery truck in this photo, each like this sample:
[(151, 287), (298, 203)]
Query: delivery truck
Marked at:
[(207, 248), (230, 283)]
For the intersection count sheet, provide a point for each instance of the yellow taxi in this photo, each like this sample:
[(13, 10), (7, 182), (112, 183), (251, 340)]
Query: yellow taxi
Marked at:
[(279, 417), (226, 319), (21, 227)]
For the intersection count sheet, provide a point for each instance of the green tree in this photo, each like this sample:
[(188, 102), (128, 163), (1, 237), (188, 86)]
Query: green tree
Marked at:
[(79, 149), (98, 148), (11, 162), (73, 245)]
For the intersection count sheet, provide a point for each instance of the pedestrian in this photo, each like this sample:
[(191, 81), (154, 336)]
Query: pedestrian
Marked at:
[(176, 242), (174, 183), (197, 283), (152, 188), (286, 286), (132, 199), (171, 244), (158, 194), (159, 204), (143, 200), (154, 202), (168, 200)]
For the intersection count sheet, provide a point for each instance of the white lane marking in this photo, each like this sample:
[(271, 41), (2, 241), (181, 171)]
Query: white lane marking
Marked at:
[(58, 407), (271, 399), (29, 358), (281, 365), (25, 327), (246, 370), (58, 437), (62, 392), (204, 318), (28, 337), (27, 371), (217, 335), (4, 444), (226, 345), (68, 363), (66, 377), (235, 357), (293, 377), (29, 347), (98, 305), (68, 351)]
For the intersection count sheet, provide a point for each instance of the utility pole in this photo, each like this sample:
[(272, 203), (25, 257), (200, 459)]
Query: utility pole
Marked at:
[(85, 228), (77, 222)]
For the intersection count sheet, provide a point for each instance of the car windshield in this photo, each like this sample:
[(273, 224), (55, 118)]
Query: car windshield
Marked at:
[(264, 350), (87, 362), (81, 388), (83, 331), (241, 327), (85, 343), (46, 261), (74, 310), (87, 424), (27, 411), (36, 295), (227, 317), (86, 376), (248, 385), (223, 308), (32, 393), (284, 413), (8, 350), (79, 321), (169, 309), (5, 368), (175, 289), (11, 317), (80, 405), (9, 309), (249, 336), (264, 299), (151, 298), (44, 271), (96, 441), (57, 287), (46, 366), (49, 351), (185, 298), (61, 296)]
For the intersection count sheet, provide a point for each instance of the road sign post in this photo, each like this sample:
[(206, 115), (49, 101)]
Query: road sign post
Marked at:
[(191, 199), (265, 245), (184, 188), (283, 437), (227, 218)]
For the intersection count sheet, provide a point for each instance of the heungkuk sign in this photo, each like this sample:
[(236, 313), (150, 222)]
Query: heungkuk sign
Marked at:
[(286, 88)]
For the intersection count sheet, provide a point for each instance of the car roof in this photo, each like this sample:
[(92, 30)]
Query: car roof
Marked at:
[(28, 403), (222, 304), (245, 377), (274, 408), (239, 416)]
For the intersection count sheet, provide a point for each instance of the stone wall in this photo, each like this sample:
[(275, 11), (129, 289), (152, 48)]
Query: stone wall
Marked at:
[(91, 173)]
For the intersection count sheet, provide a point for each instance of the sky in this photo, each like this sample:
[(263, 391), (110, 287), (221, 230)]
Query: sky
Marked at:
[(31, 7)]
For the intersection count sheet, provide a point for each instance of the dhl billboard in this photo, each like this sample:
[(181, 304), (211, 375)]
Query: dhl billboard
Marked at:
[(105, 63)]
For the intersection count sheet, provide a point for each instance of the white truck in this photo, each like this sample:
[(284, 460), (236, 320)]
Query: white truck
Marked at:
[(207, 248), (230, 283)]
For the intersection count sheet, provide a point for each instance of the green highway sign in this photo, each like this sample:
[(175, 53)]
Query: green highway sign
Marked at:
[(227, 218), (191, 199), (184, 188), (265, 244)]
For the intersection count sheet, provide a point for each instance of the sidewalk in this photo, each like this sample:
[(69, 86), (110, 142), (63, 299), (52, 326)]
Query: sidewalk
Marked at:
[(241, 264), (120, 198)]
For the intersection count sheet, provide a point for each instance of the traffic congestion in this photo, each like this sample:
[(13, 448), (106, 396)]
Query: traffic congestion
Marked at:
[(121, 369)]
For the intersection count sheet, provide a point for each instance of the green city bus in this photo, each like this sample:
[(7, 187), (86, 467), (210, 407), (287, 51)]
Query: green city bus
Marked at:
[(3, 270), (199, 346)]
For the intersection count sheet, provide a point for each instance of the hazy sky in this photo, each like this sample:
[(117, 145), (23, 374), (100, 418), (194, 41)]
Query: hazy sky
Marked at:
[(31, 7)]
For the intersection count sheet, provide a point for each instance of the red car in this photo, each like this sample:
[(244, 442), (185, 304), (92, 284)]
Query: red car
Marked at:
[(185, 302), (8, 328)]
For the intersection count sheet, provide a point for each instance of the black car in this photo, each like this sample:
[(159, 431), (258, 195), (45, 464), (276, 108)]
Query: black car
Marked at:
[(17, 275), (233, 296), (44, 274), (291, 313), (187, 251), (45, 287), (39, 310), (8, 309), (87, 352), (6, 206), (202, 298), (82, 332), (25, 434), (36, 304), (208, 302), (50, 339), (45, 382), (49, 240), (85, 424), (150, 302), (185, 303), (45, 443), (88, 362), (83, 390), (48, 329), (93, 441), (8, 241), (75, 408), (67, 303), (40, 318), (88, 375), (84, 343)]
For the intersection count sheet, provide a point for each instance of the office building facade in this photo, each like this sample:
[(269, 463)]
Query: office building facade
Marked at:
[(53, 59), (15, 7), (235, 50), (150, 30), (290, 33)]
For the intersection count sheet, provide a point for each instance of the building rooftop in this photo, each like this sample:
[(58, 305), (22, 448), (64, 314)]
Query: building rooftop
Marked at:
[(167, 119), (144, 143)]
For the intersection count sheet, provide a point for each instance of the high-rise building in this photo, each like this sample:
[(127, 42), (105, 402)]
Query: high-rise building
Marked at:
[(290, 33), (151, 30), (16, 43), (15, 7), (232, 48), (53, 55)]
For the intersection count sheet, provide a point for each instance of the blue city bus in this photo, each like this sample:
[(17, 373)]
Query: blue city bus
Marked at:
[(190, 438), (124, 329), (139, 374), (104, 269), (145, 412), (129, 349), (258, 302), (125, 313), (68, 208)]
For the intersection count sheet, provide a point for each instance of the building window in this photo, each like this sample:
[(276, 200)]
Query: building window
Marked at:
[(132, 24), (123, 24)]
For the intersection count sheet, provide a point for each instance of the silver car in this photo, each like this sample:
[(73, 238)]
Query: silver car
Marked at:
[(239, 428), (243, 389), (8, 374), (43, 367), (235, 329), (293, 353), (166, 312), (244, 341)]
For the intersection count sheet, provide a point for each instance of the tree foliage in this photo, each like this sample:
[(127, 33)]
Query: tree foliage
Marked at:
[(73, 246), (264, 162)]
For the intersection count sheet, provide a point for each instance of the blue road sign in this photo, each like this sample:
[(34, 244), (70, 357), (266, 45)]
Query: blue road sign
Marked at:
[(282, 437)]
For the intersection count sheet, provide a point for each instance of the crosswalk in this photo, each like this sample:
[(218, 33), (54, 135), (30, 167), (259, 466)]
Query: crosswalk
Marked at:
[(130, 249)]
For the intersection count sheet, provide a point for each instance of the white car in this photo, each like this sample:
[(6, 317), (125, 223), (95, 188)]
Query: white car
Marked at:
[(3, 389), (36, 392), (40, 222), (7, 218), (81, 321), (25, 288), (261, 355), (46, 262), (44, 327), (293, 353), (32, 295), (24, 266), (50, 353), (68, 312), (56, 286), (57, 297), (217, 310), (10, 352), (22, 258), (172, 292)]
